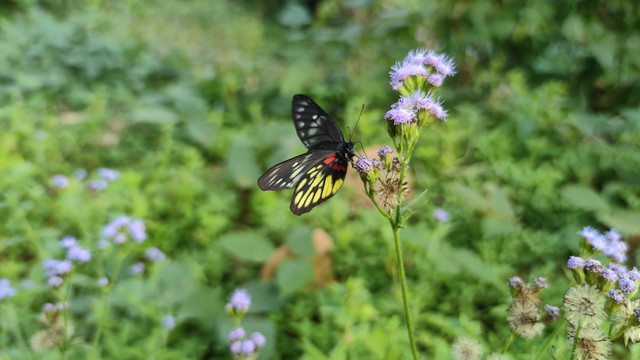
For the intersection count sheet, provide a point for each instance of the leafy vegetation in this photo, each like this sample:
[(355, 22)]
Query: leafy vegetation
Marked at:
[(190, 102)]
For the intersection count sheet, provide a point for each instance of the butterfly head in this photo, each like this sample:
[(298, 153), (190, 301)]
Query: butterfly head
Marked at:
[(346, 151)]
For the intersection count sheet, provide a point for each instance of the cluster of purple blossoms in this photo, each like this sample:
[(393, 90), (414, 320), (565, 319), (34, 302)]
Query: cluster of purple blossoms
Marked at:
[(123, 228), (6, 291), (241, 347), (441, 214), (239, 303), (169, 322), (101, 181), (59, 181), (57, 269), (365, 165), (609, 243), (407, 110), (154, 254), (424, 64)]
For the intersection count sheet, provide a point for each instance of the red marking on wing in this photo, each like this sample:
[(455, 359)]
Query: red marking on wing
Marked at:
[(330, 159)]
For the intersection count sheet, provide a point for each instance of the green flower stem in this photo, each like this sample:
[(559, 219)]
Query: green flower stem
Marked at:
[(512, 336), (576, 337), (403, 285), (549, 339)]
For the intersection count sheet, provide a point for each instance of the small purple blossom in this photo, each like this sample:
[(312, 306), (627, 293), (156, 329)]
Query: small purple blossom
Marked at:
[(48, 307), (609, 275), (240, 300), (154, 254), (51, 266), (138, 231), (402, 112), (401, 71), (613, 235), (78, 253), (552, 311), (516, 282), (236, 334), (168, 322), (617, 296), (364, 165), (426, 102), (112, 228), (445, 65), (258, 339), (136, 268), (377, 164), (68, 241), (417, 56), (436, 80), (575, 262), (627, 285), (236, 347), (63, 267), (6, 291), (593, 265), (97, 185), (108, 174), (634, 274), (588, 233), (103, 281), (79, 174), (59, 181), (617, 251), (540, 283), (54, 281), (617, 268), (441, 214), (384, 150), (599, 242), (636, 312), (248, 347)]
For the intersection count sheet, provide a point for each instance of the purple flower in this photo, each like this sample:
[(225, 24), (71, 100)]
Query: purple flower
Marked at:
[(97, 185), (168, 322), (402, 70), (417, 56), (236, 347), (636, 312), (54, 281), (385, 150), (258, 339), (78, 253), (593, 265), (441, 214), (108, 174), (364, 165), (516, 282), (377, 164), (402, 112), (426, 102), (443, 64), (51, 266), (618, 269), (154, 254), (236, 334), (613, 235), (436, 80), (248, 347), (48, 307), (68, 241), (552, 311), (112, 228), (617, 296), (540, 283), (240, 300), (137, 230), (79, 174), (588, 233), (59, 181), (617, 251), (599, 242), (63, 267), (609, 275), (575, 262), (103, 281), (6, 291), (137, 268), (628, 286), (634, 274)]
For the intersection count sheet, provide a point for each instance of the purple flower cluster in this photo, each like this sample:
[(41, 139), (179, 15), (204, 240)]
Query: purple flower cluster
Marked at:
[(407, 108), (168, 322), (123, 228), (365, 165), (441, 214), (99, 182), (609, 243), (57, 269), (59, 181), (424, 64), (242, 347), (6, 291), (240, 301)]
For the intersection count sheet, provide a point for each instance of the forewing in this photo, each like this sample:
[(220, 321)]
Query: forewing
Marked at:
[(315, 128), (287, 174), (319, 183)]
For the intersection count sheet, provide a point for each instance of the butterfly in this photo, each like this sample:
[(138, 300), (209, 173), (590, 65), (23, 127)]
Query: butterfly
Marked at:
[(319, 173)]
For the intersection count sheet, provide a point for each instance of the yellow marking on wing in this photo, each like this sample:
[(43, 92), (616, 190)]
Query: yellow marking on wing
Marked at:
[(328, 186), (337, 185), (317, 197), (306, 203), (304, 198), (316, 181), (297, 199), (304, 181)]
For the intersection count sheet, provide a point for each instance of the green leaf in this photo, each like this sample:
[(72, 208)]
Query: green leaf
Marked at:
[(494, 226), (413, 205), (627, 222), (241, 163), (246, 245), (153, 115), (202, 132), (300, 242), (202, 305), (292, 275), (500, 204), (471, 197), (584, 198)]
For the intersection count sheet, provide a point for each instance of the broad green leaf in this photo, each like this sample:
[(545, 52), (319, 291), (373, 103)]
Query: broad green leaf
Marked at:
[(584, 198), (627, 222), (246, 245), (500, 203), (203, 305), (494, 226), (470, 196), (241, 163), (292, 275), (300, 242)]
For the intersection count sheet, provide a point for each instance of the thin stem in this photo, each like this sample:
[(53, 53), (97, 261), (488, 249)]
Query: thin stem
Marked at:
[(512, 336), (550, 338), (403, 284), (576, 337)]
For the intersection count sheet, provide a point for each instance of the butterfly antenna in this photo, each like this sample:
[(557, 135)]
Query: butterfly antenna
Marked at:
[(357, 121)]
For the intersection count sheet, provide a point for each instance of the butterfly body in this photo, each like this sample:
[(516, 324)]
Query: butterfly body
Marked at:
[(319, 173)]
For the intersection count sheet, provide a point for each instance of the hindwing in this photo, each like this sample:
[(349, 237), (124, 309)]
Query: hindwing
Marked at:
[(287, 174), (319, 183)]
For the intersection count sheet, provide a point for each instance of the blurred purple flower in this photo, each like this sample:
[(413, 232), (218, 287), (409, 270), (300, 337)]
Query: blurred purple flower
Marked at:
[(108, 174), (6, 291), (78, 253), (154, 254), (364, 165), (68, 241), (168, 322), (97, 185), (236, 334), (441, 214), (258, 339), (59, 181), (137, 268), (240, 300)]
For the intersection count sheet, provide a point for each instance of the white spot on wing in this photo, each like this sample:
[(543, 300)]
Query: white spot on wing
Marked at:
[(314, 116), (301, 109)]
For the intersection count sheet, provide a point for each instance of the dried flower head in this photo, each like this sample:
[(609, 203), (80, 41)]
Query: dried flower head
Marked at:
[(524, 319), (465, 348), (584, 305), (540, 283), (386, 189), (592, 344)]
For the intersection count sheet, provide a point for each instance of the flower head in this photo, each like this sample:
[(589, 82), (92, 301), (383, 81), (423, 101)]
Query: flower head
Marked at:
[(364, 165), (236, 334), (240, 300), (169, 322), (78, 253), (465, 348), (592, 344), (258, 339), (441, 214), (553, 312), (103, 281), (386, 189), (154, 254), (248, 347), (138, 231), (59, 181), (6, 291), (54, 281), (584, 305), (136, 268), (524, 319), (540, 283), (384, 150), (68, 241), (97, 185), (516, 282), (617, 296), (613, 235), (627, 285), (108, 174), (79, 174), (575, 262), (402, 112)]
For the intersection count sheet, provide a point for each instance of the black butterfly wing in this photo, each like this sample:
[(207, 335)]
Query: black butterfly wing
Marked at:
[(320, 182), (315, 128), (287, 174)]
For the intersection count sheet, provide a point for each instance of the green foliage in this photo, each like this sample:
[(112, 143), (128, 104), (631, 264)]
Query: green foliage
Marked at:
[(191, 102)]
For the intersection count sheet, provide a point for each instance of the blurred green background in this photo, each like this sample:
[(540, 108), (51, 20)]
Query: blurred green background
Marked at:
[(191, 100)]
